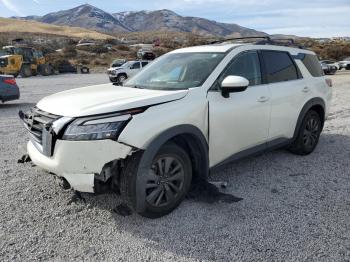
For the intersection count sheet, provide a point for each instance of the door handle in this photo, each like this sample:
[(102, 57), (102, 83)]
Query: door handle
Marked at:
[(263, 99), (306, 89)]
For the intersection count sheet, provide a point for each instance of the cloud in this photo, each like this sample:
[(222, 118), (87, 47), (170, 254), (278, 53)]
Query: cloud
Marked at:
[(36, 1), (319, 21), (12, 7)]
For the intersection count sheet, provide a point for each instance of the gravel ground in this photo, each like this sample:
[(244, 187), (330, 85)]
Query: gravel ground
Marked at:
[(294, 208)]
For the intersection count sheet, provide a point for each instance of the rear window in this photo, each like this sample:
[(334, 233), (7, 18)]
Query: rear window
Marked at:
[(312, 64), (279, 67)]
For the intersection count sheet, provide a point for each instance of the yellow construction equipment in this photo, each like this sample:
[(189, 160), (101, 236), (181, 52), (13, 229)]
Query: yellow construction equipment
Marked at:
[(24, 61)]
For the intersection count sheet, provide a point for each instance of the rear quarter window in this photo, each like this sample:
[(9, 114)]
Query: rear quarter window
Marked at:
[(312, 64), (279, 67)]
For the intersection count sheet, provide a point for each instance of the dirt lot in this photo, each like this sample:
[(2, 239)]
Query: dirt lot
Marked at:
[(294, 208)]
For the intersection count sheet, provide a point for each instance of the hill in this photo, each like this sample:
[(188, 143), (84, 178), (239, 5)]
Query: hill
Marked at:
[(8, 25), (88, 16)]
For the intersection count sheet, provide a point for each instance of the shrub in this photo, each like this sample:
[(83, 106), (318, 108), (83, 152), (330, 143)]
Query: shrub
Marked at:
[(70, 52), (123, 48), (99, 49)]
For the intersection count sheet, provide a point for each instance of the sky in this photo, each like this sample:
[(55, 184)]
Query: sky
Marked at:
[(314, 18)]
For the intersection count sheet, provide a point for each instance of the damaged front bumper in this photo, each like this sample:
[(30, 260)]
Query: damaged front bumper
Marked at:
[(79, 162)]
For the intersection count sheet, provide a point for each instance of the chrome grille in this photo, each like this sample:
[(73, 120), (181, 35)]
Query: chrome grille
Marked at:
[(39, 123)]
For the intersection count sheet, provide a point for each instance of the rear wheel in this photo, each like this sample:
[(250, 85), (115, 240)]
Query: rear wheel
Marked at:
[(26, 71), (308, 134), (165, 185)]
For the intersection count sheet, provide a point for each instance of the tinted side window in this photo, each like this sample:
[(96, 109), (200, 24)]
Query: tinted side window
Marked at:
[(279, 67), (312, 64), (144, 64), (136, 65), (247, 65)]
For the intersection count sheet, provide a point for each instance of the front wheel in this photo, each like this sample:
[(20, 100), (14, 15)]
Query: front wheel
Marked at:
[(308, 134), (26, 71), (164, 186), (121, 79)]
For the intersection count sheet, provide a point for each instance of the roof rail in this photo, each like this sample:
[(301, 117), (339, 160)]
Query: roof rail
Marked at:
[(266, 40), (240, 38)]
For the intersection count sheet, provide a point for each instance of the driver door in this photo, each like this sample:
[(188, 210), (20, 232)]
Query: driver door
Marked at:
[(134, 69), (239, 123)]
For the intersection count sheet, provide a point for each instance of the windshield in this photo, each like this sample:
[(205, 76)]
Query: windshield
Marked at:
[(127, 64), (177, 71)]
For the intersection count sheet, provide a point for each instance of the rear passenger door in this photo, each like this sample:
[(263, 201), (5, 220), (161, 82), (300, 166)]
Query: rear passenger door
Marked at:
[(287, 92)]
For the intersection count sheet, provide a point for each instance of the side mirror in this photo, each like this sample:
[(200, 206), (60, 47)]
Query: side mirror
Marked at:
[(233, 84)]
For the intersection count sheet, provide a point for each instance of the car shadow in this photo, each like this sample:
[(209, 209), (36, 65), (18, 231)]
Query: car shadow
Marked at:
[(274, 187)]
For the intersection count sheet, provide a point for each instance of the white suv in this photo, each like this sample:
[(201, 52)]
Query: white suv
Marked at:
[(185, 115), (344, 64), (127, 70)]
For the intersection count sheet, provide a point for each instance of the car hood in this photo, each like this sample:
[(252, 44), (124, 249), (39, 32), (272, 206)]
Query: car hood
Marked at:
[(114, 68), (100, 99)]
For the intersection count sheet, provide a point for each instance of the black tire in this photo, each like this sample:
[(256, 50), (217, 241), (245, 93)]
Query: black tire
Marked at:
[(164, 192), (45, 70), (308, 134), (26, 71), (121, 78), (85, 70)]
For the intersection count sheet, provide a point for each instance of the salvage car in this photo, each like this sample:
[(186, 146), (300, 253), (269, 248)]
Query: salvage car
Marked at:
[(8, 88), (185, 115), (328, 69), (330, 63), (120, 74), (344, 64), (118, 63)]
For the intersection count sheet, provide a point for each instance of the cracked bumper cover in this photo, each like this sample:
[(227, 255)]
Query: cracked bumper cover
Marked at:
[(79, 161)]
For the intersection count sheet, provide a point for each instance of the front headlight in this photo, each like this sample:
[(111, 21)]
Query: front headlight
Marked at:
[(97, 128)]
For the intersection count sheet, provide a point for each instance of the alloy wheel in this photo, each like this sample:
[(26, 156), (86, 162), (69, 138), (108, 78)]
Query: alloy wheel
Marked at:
[(165, 181), (311, 132)]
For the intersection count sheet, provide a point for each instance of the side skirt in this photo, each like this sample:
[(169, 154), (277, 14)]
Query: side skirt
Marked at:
[(254, 151)]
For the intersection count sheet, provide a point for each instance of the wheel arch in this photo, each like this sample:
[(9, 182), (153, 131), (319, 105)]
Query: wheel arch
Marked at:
[(191, 139), (316, 104), (122, 74)]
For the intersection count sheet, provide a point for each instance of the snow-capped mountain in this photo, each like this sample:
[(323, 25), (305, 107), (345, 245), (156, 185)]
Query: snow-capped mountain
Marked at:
[(168, 20), (85, 16), (90, 17)]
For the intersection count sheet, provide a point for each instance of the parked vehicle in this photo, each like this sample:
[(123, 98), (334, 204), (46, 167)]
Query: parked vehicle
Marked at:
[(344, 64), (8, 88), (67, 67), (330, 63), (24, 61), (186, 114), (328, 69), (120, 74), (146, 55), (118, 63)]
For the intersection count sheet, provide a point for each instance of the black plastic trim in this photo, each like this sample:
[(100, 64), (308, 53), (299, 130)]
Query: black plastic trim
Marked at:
[(308, 105), (254, 151)]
